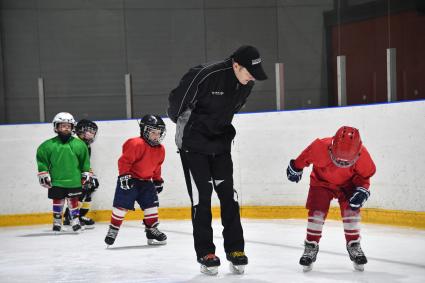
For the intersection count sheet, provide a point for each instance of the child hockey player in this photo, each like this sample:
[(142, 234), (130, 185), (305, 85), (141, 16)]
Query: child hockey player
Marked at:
[(86, 131), (63, 167), (342, 168), (140, 180)]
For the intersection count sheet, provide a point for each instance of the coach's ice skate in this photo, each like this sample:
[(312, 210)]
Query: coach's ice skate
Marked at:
[(238, 261), (209, 264), (356, 255), (309, 256), (154, 236)]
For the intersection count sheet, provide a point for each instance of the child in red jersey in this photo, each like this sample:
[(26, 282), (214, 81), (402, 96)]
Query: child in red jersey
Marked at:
[(140, 179), (342, 168)]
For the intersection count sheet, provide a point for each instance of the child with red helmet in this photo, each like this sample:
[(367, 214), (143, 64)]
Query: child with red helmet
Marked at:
[(342, 168)]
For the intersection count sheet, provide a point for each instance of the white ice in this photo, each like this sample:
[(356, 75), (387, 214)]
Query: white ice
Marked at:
[(34, 254)]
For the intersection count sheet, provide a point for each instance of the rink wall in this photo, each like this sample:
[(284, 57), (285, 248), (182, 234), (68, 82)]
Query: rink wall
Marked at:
[(393, 133)]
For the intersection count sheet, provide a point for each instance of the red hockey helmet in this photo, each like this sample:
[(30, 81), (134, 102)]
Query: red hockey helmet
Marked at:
[(346, 146)]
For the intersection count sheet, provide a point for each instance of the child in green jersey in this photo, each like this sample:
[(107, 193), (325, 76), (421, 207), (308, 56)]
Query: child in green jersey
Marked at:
[(63, 167)]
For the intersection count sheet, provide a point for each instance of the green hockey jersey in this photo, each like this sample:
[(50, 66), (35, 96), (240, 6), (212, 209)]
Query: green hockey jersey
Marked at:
[(64, 161)]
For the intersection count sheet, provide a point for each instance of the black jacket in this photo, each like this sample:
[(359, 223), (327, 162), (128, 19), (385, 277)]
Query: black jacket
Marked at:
[(203, 106)]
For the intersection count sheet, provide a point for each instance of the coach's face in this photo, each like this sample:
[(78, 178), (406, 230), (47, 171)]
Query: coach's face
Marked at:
[(242, 74)]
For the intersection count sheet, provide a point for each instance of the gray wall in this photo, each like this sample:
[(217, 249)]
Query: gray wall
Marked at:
[(83, 48)]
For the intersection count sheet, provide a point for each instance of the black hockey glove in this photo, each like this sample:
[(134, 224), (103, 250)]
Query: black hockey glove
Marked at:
[(126, 182), (92, 184), (95, 182), (44, 179), (293, 174), (159, 185), (86, 178), (359, 197)]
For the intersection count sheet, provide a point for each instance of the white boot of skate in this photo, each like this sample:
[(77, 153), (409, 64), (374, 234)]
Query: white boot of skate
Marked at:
[(307, 268), (237, 269), (212, 270), (358, 267)]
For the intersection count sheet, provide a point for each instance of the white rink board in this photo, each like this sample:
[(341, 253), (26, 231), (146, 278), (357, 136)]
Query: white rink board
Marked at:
[(393, 133)]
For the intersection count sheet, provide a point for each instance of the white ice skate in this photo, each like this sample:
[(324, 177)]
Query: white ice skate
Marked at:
[(307, 268), (238, 260), (212, 270), (209, 264), (237, 269), (358, 267)]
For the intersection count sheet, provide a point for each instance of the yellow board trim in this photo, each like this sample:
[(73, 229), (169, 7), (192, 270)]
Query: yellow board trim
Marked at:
[(413, 219)]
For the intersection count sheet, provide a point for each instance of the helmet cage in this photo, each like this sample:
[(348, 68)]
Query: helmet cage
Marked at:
[(146, 132), (86, 130), (345, 147), (342, 163), (86, 133), (63, 117)]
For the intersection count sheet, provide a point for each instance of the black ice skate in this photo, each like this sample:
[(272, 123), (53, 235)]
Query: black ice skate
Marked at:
[(238, 260), (111, 235), (66, 218), (209, 264), (57, 222), (155, 237), (356, 255), (75, 224), (87, 222), (309, 256)]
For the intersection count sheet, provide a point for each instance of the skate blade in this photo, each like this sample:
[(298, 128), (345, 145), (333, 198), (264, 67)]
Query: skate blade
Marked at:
[(213, 270), (237, 269), (152, 242), (88, 227), (358, 267), (307, 268)]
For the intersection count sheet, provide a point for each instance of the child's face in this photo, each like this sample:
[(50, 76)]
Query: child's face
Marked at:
[(88, 135), (154, 135), (64, 128)]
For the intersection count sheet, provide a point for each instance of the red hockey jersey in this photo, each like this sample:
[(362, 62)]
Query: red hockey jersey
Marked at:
[(326, 174), (141, 160)]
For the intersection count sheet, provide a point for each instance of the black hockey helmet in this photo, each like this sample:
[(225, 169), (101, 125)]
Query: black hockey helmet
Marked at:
[(86, 130), (150, 123)]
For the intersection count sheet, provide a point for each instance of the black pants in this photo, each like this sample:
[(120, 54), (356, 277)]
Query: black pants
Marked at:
[(203, 173)]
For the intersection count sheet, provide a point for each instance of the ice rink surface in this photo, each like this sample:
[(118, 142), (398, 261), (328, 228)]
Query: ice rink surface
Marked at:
[(34, 254)]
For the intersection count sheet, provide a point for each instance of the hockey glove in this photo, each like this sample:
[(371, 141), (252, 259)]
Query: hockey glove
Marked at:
[(159, 185), (44, 179), (95, 182), (126, 182), (86, 178), (293, 174), (359, 197), (92, 184)]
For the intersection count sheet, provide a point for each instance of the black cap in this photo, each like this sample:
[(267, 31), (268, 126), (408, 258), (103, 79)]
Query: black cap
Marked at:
[(249, 57)]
